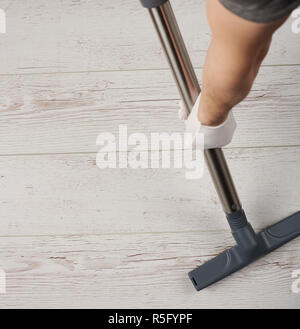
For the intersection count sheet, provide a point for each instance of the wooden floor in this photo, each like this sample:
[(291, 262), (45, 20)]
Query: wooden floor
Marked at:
[(73, 235)]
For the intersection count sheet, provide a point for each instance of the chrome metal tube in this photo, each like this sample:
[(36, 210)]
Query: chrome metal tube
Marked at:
[(168, 31)]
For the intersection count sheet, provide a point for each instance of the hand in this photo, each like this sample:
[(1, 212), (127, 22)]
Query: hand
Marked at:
[(214, 136)]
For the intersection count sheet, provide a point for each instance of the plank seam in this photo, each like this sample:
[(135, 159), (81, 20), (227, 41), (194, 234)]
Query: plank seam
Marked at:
[(129, 70), (91, 153)]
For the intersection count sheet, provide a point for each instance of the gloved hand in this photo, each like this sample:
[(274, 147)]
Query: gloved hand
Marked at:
[(214, 137)]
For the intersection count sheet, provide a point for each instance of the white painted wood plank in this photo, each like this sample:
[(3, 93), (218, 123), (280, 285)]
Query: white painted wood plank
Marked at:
[(63, 113), (138, 271), (69, 194), (58, 36)]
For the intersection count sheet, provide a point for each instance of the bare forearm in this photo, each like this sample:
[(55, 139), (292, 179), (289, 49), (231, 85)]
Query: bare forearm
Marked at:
[(227, 79), (233, 59)]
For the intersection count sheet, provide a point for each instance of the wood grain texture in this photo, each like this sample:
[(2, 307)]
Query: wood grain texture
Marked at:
[(89, 35), (69, 194), (138, 271), (64, 113)]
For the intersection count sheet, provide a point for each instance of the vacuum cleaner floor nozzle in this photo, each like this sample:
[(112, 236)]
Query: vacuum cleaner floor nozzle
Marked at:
[(250, 247)]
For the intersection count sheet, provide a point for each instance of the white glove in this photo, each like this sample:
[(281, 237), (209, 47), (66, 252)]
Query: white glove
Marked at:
[(214, 137)]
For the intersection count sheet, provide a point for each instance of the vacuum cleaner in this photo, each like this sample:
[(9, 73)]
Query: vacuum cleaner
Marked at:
[(249, 245)]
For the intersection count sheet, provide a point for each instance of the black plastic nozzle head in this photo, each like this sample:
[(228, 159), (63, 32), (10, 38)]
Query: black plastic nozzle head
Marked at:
[(152, 3), (244, 252)]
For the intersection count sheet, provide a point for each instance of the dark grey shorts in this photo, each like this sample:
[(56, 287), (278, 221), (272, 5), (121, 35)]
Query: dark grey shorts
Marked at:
[(261, 11)]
